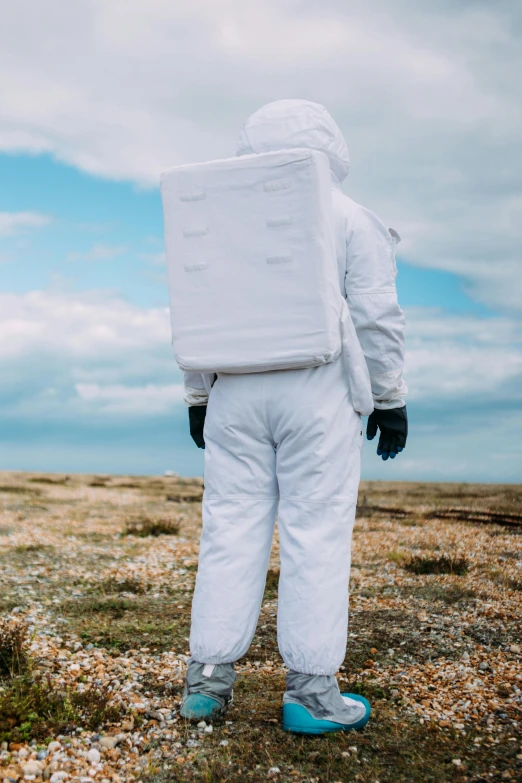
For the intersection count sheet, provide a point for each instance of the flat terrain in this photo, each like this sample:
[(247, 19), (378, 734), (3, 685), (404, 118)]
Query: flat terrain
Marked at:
[(96, 577)]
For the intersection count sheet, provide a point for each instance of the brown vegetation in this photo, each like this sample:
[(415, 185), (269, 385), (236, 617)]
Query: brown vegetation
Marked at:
[(95, 592)]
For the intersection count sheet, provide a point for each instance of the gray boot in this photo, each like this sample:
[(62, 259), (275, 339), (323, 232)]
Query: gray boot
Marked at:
[(320, 696), (208, 690)]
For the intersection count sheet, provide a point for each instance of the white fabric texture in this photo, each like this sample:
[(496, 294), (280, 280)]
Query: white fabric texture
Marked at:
[(251, 263), (286, 442), (367, 272), (365, 248), (288, 124), (197, 387)]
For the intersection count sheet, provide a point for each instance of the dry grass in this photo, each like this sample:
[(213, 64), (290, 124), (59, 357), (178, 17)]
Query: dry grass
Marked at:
[(145, 527), (117, 609), (50, 481), (272, 584), (17, 489), (32, 706), (124, 585), (29, 549), (14, 645), (446, 594), (125, 623), (441, 564), (35, 708)]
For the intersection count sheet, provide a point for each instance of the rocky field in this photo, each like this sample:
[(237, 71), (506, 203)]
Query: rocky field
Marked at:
[(96, 577)]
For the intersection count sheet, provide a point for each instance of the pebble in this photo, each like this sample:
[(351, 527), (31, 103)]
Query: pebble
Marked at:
[(10, 774), (31, 769), (274, 771), (154, 715), (192, 743), (108, 743), (224, 743), (94, 756), (480, 686)]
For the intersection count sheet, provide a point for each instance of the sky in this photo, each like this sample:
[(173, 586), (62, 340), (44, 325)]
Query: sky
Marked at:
[(99, 96)]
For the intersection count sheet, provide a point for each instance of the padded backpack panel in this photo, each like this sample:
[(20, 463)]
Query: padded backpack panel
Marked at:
[(252, 272)]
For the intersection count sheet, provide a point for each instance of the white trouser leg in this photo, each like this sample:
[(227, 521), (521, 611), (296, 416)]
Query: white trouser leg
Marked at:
[(307, 415), (239, 509), (319, 440)]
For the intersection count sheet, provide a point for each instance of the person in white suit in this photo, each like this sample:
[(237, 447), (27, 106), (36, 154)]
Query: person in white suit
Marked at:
[(288, 443)]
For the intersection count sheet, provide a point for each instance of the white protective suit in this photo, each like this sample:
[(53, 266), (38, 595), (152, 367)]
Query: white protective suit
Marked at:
[(289, 442)]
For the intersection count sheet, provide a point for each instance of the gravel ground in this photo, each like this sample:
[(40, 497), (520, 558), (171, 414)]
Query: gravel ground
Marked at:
[(99, 571)]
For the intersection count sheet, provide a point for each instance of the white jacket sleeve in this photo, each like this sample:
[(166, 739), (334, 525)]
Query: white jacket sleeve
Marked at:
[(372, 300), (197, 387)]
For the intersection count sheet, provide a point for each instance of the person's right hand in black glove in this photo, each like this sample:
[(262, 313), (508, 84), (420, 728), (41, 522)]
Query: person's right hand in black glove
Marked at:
[(393, 426), (197, 415)]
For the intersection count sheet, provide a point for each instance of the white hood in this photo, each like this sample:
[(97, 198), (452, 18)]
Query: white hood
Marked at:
[(290, 124)]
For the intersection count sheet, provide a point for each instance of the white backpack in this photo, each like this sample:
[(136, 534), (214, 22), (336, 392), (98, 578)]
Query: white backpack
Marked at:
[(252, 270)]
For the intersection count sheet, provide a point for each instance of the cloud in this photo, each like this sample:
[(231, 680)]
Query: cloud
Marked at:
[(117, 357), (463, 359), (99, 252), (86, 369), (429, 98), (79, 328), (12, 223), (66, 355), (460, 366), (149, 400)]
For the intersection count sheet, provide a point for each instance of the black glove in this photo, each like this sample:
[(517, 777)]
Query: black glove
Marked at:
[(393, 425), (197, 415)]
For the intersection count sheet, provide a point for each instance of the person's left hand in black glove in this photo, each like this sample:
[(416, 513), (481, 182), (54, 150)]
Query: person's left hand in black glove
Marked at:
[(393, 426), (197, 415)]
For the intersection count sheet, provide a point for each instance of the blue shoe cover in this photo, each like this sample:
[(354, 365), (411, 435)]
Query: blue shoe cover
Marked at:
[(298, 720), (197, 706)]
